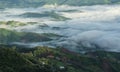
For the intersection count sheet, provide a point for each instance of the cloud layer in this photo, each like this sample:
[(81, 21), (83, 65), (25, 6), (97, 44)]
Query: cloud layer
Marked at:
[(90, 27)]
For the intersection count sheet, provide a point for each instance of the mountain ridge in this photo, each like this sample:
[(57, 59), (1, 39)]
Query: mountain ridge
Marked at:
[(36, 3)]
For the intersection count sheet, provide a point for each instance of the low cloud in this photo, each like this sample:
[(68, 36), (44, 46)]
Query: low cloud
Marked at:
[(94, 27)]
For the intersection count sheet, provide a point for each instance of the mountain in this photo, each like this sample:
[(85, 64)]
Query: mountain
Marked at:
[(36, 3)]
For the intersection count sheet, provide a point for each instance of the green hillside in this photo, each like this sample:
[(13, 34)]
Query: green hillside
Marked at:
[(8, 36), (44, 59)]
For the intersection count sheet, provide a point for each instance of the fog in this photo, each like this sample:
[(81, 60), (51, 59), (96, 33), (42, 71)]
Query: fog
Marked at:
[(90, 27)]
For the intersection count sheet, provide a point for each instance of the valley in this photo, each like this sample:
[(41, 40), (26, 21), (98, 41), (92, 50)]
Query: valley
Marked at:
[(59, 35)]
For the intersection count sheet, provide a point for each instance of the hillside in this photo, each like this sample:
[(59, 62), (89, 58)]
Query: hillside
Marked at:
[(44, 59), (36, 3), (8, 36)]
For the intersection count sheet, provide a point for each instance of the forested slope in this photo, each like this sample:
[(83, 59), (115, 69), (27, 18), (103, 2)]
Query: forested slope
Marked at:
[(44, 59)]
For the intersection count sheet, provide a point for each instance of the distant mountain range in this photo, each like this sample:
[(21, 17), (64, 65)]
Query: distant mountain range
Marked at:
[(36, 3)]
